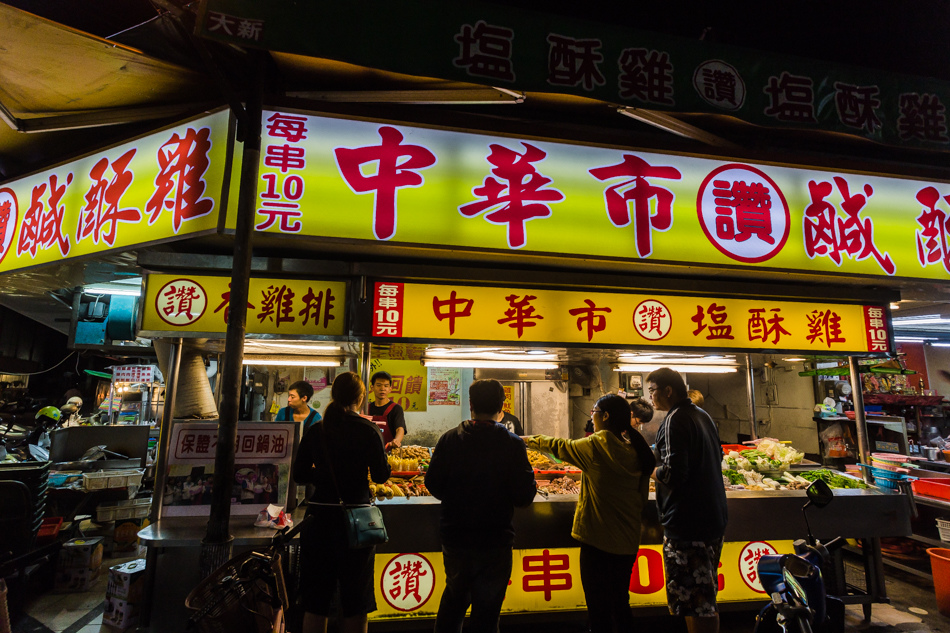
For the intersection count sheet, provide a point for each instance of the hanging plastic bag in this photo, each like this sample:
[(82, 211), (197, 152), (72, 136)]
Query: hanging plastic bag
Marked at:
[(836, 440)]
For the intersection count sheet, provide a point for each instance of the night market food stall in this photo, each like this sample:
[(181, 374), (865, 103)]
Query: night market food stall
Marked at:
[(383, 233)]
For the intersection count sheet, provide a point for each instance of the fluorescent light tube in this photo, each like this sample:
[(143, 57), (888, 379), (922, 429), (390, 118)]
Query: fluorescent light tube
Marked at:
[(487, 364), (693, 369), (281, 362)]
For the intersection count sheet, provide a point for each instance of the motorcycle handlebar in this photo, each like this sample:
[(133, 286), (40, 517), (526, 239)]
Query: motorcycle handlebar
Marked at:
[(835, 543)]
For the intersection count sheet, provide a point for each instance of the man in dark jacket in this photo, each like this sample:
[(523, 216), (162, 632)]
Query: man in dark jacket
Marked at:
[(691, 500), (480, 472)]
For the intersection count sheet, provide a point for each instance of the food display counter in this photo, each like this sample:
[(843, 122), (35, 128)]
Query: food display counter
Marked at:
[(545, 575)]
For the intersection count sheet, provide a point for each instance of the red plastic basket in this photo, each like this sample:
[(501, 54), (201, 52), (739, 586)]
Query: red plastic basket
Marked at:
[(932, 487), (726, 448), (49, 530)]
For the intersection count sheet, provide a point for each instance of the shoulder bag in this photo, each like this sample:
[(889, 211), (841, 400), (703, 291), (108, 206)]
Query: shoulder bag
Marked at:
[(364, 522)]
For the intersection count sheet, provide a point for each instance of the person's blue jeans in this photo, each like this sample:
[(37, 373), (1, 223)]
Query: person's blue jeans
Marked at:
[(473, 577)]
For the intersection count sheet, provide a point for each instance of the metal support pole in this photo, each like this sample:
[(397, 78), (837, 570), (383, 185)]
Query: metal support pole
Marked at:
[(860, 421), (216, 546), (160, 468), (164, 433), (750, 391), (365, 372)]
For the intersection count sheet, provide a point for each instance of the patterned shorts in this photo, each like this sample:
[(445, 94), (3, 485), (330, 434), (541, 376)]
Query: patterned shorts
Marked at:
[(692, 576)]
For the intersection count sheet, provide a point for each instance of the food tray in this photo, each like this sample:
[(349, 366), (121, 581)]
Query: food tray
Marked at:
[(105, 479), (932, 487), (407, 473)]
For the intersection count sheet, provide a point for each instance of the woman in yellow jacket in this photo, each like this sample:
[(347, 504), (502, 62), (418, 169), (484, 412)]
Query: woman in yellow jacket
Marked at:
[(616, 463)]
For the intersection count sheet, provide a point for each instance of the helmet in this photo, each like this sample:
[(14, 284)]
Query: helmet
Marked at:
[(49, 412)]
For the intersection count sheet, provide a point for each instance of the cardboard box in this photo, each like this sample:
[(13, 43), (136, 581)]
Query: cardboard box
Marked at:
[(125, 534), (81, 553), (126, 581), (75, 579), (120, 613)]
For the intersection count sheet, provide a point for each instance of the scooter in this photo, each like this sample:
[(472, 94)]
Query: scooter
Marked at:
[(799, 602)]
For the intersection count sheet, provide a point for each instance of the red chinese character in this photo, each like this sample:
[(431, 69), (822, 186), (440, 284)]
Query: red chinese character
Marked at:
[(6, 214), (394, 170), (263, 444), (103, 200), (396, 383), (856, 106), (751, 561), (413, 385), (762, 328), (286, 214), (520, 314), (717, 314), (277, 305), (202, 444), (651, 318), (829, 236), (791, 98), (637, 171), (542, 577), (573, 62), (407, 580), (187, 443), (179, 300), (485, 51), (743, 211), (289, 126), (932, 243), (277, 446), (285, 157), (587, 317), (42, 225), (226, 304), (454, 306), (719, 85), (825, 326), (646, 75), (313, 304), (922, 116), (520, 198), (182, 162)]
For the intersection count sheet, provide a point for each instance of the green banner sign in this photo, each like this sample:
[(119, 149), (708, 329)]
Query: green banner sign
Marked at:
[(532, 51)]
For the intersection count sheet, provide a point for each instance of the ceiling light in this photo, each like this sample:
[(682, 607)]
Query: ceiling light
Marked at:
[(127, 290), (914, 339), (661, 359), (460, 351), (794, 360), (693, 369), (939, 344), (286, 362), (895, 306), (313, 347), (487, 364)]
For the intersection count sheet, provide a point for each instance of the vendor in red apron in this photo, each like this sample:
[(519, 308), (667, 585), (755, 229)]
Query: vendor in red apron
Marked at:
[(388, 416)]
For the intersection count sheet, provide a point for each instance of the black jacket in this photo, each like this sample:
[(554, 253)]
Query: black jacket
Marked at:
[(480, 472), (354, 444), (690, 495)]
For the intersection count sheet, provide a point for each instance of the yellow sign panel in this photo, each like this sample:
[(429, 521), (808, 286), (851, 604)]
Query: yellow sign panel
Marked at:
[(544, 580), (196, 303), (476, 313), (165, 185), (409, 385), (373, 181)]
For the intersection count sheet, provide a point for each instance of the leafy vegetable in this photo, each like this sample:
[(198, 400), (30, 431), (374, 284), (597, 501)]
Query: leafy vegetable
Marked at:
[(833, 479), (734, 477)]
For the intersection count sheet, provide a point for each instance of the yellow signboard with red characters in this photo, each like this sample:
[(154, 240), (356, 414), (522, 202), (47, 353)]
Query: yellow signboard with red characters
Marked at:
[(550, 580), (198, 304), (409, 385), (159, 187), (375, 181), (475, 313)]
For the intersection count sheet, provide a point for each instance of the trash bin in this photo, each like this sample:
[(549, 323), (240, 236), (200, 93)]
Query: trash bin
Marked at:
[(940, 564)]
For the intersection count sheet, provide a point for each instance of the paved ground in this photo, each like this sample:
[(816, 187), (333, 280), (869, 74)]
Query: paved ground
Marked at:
[(913, 609)]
